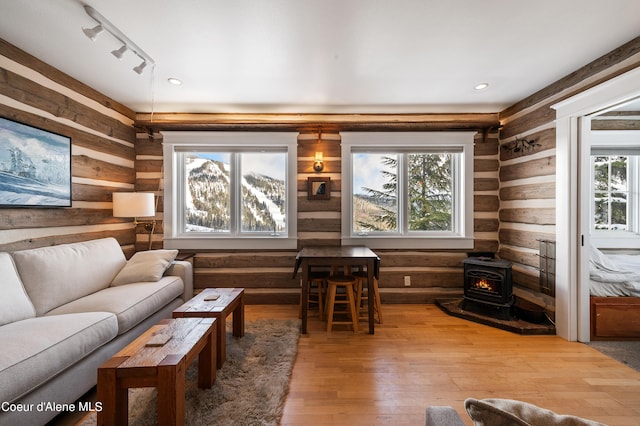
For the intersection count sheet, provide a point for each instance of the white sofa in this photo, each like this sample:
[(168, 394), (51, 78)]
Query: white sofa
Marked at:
[(66, 309)]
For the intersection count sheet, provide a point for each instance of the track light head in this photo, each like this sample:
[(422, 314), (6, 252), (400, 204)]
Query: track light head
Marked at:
[(92, 33), (140, 68), (118, 53)]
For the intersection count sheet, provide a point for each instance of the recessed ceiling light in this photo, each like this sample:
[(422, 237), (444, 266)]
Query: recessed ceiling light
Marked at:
[(175, 81), (481, 86)]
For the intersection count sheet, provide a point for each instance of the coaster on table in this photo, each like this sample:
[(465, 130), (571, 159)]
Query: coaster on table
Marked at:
[(211, 296)]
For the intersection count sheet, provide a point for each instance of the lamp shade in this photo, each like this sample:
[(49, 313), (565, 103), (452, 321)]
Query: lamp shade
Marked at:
[(133, 204)]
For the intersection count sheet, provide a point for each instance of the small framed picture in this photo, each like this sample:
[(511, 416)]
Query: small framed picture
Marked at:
[(319, 188)]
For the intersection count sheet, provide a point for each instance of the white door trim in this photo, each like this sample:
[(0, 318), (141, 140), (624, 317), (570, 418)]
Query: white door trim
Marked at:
[(571, 321)]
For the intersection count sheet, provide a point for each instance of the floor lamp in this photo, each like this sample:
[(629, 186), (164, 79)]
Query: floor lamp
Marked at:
[(135, 205)]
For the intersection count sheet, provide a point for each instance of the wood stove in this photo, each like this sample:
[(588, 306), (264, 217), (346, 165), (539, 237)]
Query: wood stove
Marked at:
[(488, 286)]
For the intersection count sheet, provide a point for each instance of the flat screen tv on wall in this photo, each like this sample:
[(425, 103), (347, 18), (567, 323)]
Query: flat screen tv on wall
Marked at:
[(35, 166)]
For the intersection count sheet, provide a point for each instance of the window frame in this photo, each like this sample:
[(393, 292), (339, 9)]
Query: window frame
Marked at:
[(417, 142), (177, 142), (613, 143)]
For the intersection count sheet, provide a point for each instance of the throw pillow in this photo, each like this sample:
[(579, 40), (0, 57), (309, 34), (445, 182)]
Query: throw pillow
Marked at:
[(14, 303), (503, 412), (145, 266)]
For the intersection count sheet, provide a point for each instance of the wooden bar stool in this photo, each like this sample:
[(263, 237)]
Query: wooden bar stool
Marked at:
[(348, 283), (362, 294), (317, 290)]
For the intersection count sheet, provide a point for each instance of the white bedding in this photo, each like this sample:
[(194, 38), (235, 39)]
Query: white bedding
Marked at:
[(614, 275)]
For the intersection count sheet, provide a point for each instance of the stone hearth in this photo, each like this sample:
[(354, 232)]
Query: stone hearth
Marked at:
[(453, 306)]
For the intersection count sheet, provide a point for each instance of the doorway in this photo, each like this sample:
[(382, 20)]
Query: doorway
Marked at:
[(572, 224)]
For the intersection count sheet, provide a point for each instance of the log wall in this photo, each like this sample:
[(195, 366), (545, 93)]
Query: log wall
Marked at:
[(527, 179), (267, 275), (103, 159)]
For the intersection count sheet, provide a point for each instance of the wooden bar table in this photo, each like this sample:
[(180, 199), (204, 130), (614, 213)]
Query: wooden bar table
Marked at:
[(352, 256)]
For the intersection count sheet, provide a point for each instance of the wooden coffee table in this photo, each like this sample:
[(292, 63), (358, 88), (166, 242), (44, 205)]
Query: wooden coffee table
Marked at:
[(229, 301), (158, 358)]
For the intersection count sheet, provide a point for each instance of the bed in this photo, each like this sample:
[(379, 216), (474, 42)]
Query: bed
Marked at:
[(615, 296)]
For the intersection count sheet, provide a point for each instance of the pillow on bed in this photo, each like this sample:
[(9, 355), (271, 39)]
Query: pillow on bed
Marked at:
[(508, 412), (601, 261), (145, 266)]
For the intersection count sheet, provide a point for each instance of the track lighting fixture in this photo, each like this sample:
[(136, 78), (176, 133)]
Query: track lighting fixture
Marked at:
[(140, 68), (93, 33), (127, 44), (118, 53)]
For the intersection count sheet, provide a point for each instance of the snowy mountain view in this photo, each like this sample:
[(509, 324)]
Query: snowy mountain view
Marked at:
[(208, 199), (34, 167)]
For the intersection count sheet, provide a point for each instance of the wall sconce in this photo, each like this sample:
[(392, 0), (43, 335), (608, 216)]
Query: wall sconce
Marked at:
[(136, 204), (318, 165)]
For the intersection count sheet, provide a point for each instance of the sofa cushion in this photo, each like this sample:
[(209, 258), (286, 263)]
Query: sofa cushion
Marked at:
[(42, 347), (130, 303), (14, 303), (507, 412), (53, 276), (145, 266)]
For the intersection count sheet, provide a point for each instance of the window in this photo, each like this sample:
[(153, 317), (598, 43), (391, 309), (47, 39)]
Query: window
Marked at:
[(615, 177), (610, 191), (231, 190), (405, 190)]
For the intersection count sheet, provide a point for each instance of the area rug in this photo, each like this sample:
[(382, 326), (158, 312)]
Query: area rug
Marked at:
[(250, 389), (627, 352)]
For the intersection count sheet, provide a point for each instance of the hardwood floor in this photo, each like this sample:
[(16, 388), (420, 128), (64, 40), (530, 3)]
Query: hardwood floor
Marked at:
[(421, 356)]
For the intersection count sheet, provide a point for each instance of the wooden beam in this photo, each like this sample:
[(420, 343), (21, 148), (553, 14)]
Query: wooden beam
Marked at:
[(306, 122)]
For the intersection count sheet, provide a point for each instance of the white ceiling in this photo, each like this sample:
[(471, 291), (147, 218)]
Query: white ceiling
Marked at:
[(323, 56)]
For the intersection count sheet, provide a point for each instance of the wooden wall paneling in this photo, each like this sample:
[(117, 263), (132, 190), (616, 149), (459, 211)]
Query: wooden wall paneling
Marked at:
[(146, 146), (149, 165), (279, 259), (486, 203), (538, 216), (486, 225), (91, 168), (94, 193), (488, 146), (124, 237), (539, 167), (527, 279), (250, 278), (540, 116), (315, 224), (545, 140), (537, 191), (486, 184), (482, 165), (25, 218), (37, 96), (422, 259), (630, 124), (519, 256), (306, 205), (423, 278), (525, 239)]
